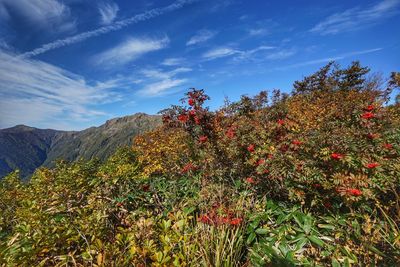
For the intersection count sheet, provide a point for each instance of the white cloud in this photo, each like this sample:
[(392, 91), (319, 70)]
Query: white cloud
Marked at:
[(34, 92), (247, 54), (201, 37), (130, 50), (219, 52), (356, 18), (118, 25), (158, 74), (49, 14), (180, 70), (327, 59), (258, 32), (239, 54), (282, 54), (108, 12), (160, 87), (173, 61), (162, 83)]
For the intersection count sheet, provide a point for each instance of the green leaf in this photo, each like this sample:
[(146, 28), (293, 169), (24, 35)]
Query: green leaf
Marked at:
[(335, 263), (86, 256), (159, 256), (298, 237), (326, 226), (262, 231), (255, 223), (284, 248), (251, 238), (301, 243), (189, 210), (348, 254), (346, 262), (375, 250), (356, 227), (316, 241), (298, 220), (307, 224)]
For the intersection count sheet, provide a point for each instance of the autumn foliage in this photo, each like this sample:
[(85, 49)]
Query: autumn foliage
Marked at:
[(307, 178), (333, 131)]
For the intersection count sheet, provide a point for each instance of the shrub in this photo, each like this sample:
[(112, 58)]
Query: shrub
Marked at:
[(331, 141), (309, 178), (163, 151)]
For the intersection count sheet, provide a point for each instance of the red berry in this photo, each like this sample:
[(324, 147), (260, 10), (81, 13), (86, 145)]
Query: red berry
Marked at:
[(250, 180), (203, 139), (372, 165), (368, 115), (281, 122), (336, 156), (251, 148)]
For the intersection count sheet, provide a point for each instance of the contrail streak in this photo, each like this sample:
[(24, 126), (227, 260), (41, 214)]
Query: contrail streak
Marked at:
[(106, 29)]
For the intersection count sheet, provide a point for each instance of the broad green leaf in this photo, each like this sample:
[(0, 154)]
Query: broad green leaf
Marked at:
[(301, 243), (335, 263), (251, 238), (316, 241), (262, 231)]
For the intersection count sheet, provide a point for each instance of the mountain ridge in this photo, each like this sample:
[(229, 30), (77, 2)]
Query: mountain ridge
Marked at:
[(27, 148)]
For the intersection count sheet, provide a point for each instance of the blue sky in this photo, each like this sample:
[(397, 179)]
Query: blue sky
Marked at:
[(73, 64)]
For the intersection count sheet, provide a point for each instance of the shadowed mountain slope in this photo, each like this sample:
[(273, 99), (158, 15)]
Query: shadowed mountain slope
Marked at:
[(27, 148)]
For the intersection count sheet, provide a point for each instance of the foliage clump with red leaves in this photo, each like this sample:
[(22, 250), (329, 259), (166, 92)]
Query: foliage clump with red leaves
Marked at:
[(333, 131), (310, 178)]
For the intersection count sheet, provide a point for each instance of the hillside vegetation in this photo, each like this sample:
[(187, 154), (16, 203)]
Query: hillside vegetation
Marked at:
[(27, 148), (24, 148), (310, 178)]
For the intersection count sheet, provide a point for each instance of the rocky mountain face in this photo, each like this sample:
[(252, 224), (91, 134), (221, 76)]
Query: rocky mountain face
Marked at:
[(27, 148)]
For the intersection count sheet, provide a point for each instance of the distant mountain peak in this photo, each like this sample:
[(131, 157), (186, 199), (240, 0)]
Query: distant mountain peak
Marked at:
[(19, 127), (128, 120), (26, 148)]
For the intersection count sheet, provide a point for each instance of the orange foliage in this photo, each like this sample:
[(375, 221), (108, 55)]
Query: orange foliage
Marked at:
[(162, 151)]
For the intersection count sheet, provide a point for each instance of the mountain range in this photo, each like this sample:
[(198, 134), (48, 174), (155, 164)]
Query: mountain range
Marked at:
[(26, 148)]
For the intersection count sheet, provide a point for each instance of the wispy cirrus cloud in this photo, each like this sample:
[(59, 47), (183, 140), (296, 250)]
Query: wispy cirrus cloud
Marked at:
[(173, 61), (52, 15), (248, 54), (201, 37), (357, 18), (118, 25), (160, 83), (35, 92), (327, 59), (220, 52), (130, 50), (281, 54), (160, 87), (108, 12), (258, 32)]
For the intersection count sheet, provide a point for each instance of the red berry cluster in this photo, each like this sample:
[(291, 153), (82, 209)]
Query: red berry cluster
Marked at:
[(354, 192), (219, 216)]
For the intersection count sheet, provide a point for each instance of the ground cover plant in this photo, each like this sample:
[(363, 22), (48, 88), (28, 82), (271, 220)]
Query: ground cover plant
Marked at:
[(310, 178)]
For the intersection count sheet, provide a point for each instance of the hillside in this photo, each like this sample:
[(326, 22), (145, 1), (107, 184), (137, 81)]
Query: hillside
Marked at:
[(310, 178), (26, 148)]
